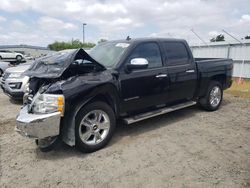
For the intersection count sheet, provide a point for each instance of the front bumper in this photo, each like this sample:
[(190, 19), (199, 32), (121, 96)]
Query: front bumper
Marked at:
[(14, 95), (38, 125)]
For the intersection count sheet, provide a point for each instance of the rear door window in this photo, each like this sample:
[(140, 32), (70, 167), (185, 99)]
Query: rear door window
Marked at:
[(176, 53)]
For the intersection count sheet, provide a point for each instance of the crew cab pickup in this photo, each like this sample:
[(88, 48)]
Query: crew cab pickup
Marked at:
[(78, 97)]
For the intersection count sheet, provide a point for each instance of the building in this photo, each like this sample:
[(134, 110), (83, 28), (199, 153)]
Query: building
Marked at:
[(34, 51), (239, 52)]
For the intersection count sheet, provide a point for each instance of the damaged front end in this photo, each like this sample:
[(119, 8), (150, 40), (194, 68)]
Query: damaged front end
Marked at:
[(44, 101), (38, 126)]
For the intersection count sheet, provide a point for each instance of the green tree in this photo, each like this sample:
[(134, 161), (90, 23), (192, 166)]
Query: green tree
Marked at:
[(73, 44), (247, 37), (218, 38)]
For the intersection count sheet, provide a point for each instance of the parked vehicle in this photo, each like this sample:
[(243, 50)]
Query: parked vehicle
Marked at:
[(78, 97), (6, 54), (14, 83), (28, 57), (3, 66)]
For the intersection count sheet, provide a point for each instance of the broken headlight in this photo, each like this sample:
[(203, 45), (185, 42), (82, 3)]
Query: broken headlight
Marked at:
[(48, 103)]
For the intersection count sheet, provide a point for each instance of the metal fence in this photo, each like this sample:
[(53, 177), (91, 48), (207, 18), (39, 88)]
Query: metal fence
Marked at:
[(240, 53)]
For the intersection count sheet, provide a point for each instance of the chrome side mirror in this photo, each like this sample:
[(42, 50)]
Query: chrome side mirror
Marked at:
[(137, 63)]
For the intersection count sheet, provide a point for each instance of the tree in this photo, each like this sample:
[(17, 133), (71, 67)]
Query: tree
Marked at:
[(73, 44), (102, 40), (218, 38), (247, 37)]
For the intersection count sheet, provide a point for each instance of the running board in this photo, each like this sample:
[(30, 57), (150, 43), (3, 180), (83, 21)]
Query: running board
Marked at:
[(140, 117)]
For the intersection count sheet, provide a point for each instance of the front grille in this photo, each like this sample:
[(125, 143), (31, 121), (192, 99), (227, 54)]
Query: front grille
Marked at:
[(15, 85)]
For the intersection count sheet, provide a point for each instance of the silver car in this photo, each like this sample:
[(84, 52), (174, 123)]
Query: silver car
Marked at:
[(3, 66), (13, 82)]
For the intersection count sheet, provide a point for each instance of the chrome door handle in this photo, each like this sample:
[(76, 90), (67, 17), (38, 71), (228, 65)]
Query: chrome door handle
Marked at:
[(189, 71), (161, 75)]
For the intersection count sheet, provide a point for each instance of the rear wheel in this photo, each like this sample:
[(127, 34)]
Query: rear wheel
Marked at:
[(18, 58), (95, 125), (213, 98)]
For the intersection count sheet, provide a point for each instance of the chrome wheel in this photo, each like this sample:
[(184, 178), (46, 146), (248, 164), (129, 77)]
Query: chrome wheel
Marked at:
[(215, 96), (94, 127)]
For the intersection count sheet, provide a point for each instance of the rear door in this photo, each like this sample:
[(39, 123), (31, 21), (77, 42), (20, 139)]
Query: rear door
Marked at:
[(145, 87), (182, 71)]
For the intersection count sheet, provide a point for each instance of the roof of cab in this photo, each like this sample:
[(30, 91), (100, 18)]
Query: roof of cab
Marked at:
[(132, 40)]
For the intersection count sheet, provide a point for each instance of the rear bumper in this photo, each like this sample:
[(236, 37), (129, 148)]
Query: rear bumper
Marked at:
[(37, 125)]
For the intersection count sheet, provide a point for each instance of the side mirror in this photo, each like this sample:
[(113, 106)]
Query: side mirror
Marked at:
[(137, 63)]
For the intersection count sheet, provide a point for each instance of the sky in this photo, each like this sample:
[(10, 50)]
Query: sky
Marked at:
[(41, 22)]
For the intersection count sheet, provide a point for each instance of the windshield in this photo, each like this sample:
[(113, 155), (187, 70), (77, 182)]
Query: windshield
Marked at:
[(108, 53)]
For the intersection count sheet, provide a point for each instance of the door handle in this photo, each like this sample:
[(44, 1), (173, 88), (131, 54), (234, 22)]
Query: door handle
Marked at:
[(190, 71), (161, 75)]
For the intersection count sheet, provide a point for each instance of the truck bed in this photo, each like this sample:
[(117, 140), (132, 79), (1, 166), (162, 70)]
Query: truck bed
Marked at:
[(212, 64), (208, 68)]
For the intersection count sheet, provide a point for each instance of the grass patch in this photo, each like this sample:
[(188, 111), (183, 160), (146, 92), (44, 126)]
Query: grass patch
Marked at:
[(240, 90)]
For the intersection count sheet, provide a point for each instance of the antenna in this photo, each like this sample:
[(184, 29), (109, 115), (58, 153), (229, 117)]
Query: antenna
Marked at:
[(128, 38)]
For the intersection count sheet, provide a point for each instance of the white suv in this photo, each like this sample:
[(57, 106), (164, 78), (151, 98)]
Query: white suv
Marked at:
[(6, 54)]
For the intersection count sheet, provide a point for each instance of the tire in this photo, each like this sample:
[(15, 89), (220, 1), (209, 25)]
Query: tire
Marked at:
[(213, 98), (47, 144), (95, 125), (1, 72), (18, 58)]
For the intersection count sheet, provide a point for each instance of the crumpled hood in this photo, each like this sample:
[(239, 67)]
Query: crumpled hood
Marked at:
[(53, 65)]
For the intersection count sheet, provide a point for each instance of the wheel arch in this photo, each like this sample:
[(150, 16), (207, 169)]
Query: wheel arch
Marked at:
[(221, 78), (107, 94)]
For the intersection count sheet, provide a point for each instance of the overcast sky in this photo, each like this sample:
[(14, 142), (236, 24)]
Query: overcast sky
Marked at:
[(40, 22)]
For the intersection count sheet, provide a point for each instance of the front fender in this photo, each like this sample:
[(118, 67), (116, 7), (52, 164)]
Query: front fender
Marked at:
[(67, 131), (68, 121)]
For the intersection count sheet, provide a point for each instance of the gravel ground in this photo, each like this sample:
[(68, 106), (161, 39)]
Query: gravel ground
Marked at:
[(186, 148)]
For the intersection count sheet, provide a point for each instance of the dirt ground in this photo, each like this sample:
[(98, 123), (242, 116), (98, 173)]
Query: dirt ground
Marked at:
[(186, 148)]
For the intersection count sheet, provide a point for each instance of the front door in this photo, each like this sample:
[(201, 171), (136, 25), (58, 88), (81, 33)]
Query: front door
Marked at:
[(147, 87)]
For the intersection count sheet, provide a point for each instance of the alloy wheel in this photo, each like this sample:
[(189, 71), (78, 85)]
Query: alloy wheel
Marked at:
[(94, 127), (215, 96)]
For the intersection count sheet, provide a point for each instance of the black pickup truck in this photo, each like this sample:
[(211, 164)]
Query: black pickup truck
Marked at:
[(78, 97)]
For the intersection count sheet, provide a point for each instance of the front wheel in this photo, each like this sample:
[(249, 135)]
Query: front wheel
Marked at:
[(213, 98), (95, 125)]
